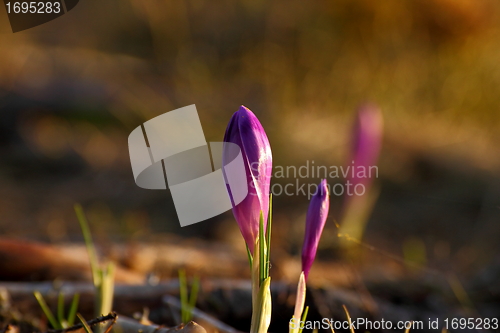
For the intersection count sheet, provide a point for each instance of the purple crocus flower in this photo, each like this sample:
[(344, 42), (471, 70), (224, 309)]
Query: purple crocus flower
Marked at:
[(367, 140), (245, 130), (315, 221), (367, 135)]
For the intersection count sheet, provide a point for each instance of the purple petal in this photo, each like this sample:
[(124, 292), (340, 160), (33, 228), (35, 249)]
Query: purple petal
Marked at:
[(315, 221), (245, 130), (367, 142)]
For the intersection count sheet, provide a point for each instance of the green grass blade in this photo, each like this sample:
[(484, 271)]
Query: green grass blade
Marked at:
[(46, 310), (193, 296), (268, 235), (262, 253), (183, 293), (304, 317), (72, 310), (107, 289), (60, 309), (249, 254), (84, 323), (87, 236), (255, 274)]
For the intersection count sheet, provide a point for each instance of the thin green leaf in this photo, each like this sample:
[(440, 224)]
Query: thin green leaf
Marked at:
[(268, 235), (255, 274), (84, 323), (107, 289), (195, 287), (87, 236), (60, 309), (249, 254), (46, 311), (183, 295), (262, 253), (72, 310), (304, 317)]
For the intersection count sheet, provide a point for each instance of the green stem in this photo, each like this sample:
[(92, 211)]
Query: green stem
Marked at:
[(72, 310), (87, 236), (46, 311)]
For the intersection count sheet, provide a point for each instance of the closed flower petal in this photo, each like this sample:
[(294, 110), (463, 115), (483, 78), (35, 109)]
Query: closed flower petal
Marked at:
[(366, 144), (245, 130), (315, 221), (367, 141)]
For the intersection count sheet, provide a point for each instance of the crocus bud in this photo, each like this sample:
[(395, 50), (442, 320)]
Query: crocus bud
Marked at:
[(315, 221), (245, 130), (367, 135), (367, 140)]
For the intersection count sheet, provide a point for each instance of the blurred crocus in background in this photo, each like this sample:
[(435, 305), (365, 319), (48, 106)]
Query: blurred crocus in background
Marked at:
[(367, 140), (315, 222), (363, 157), (245, 130)]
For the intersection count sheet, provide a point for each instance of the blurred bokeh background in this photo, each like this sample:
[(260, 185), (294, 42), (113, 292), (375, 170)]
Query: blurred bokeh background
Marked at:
[(73, 89)]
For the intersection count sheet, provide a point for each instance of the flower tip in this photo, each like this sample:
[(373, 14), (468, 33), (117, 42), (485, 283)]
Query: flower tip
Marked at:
[(370, 116), (322, 190), (244, 109), (368, 107), (324, 186), (245, 113)]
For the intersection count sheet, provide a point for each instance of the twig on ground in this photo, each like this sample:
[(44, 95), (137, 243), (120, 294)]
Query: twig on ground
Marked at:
[(103, 319), (121, 324)]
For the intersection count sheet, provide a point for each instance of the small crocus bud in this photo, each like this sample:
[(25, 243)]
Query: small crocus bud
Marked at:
[(315, 221), (245, 130)]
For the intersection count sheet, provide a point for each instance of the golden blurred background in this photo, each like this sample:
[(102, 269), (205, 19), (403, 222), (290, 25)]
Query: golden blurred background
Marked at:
[(72, 90)]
